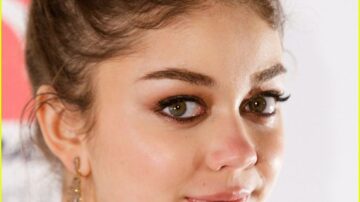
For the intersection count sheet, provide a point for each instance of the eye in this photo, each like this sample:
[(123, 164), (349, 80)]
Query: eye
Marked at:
[(264, 104), (182, 108)]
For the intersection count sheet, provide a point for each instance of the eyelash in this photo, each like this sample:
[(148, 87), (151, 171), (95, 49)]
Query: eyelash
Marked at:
[(278, 97), (180, 98)]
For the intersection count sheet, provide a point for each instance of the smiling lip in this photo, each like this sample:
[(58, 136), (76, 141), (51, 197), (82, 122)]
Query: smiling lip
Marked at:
[(233, 196)]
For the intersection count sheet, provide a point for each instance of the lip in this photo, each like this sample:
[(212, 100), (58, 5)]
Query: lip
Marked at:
[(228, 196)]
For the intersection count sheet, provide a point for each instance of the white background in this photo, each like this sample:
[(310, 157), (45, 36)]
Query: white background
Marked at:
[(321, 117)]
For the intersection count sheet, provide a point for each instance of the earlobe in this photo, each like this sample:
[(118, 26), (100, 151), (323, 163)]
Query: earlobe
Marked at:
[(85, 168), (60, 129)]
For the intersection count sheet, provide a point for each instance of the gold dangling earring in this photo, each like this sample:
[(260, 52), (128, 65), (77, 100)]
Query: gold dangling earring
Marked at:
[(76, 183)]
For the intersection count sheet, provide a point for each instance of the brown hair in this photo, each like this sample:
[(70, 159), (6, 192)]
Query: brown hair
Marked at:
[(65, 37)]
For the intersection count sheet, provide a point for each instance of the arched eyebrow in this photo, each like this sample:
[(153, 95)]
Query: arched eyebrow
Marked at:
[(196, 78), (267, 74), (182, 75)]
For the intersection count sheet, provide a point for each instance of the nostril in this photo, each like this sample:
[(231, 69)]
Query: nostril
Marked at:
[(221, 168)]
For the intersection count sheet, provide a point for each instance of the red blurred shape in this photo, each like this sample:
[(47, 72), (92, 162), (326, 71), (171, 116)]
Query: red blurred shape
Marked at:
[(15, 87)]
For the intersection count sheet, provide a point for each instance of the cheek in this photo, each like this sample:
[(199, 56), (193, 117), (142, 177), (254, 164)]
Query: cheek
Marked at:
[(270, 156), (129, 154)]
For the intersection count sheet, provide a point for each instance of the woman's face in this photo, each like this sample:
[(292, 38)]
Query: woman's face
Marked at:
[(194, 115)]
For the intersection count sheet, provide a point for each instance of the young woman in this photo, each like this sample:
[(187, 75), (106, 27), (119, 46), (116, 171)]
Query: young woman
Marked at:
[(159, 100)]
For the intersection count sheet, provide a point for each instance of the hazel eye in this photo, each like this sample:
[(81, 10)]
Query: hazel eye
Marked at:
[(182, 108), (264, 105), (177, 109)]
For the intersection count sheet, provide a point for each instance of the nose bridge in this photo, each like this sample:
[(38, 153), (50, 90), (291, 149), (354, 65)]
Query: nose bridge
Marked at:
[(232, 145)]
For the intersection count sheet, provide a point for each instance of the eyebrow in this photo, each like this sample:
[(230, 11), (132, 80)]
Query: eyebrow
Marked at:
[(204, 80), (182, 75), (267, 74)]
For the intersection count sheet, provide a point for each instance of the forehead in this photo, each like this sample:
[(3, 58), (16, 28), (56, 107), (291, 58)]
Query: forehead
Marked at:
[(228, 44), (233, 40)]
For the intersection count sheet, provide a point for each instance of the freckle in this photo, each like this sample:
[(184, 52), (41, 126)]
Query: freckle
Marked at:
[(203, 184)]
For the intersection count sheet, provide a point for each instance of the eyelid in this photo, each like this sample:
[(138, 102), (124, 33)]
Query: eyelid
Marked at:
[(166, 102), (169, 100), (277, 95), (162, 104)]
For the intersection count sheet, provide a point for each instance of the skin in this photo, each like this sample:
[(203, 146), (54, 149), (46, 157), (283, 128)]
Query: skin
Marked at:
[(136, 154)]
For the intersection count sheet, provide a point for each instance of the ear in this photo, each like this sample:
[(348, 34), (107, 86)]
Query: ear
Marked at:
[(61, 127)]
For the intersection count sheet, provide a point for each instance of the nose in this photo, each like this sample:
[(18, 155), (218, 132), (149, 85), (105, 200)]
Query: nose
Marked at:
[(232, 148)]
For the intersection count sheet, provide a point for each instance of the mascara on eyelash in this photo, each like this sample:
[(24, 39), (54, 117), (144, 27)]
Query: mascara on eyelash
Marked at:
[(277, 95), (179, 98), (162, 104)]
